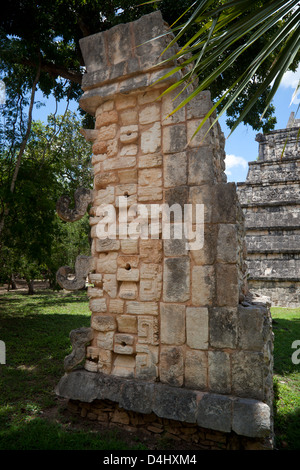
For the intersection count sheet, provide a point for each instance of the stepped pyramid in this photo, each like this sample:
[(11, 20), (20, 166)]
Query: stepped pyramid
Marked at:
[(270, 198)]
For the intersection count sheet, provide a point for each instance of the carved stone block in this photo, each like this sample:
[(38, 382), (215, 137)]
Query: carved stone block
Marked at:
[(116, 306), (103, 323), (151, 251), (129, 246), (124, 343), (203, 285), (197, 327), (124, 366), (223, 327), (127, 324), (105, 361), (107, 244), (151, 281), (79, 339), (128, 274), (196, 367), (98, 305), (172, 366), (219, 375), (172, 324), (105, 340), (148, 330), (151, 139), (146, 362), (110, 284), (128, 290), (107, 262), (176, 279), (142, 308)]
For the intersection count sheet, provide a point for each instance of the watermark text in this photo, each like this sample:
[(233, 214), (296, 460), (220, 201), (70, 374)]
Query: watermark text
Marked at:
[(296, 354), (152, 221), (2, 92), (2, 352)]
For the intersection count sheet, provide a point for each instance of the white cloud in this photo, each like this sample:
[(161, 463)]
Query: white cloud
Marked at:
[(290, 80), (232, 161)]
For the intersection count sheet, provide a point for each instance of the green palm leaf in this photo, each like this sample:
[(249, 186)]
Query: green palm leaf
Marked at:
[(224, 32)]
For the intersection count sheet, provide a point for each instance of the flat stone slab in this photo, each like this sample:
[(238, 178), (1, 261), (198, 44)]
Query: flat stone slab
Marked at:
[(223, 413)]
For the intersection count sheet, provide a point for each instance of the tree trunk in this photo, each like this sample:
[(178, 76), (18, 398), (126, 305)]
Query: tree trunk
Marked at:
[(30, 285), (23, 144), (12, 283)]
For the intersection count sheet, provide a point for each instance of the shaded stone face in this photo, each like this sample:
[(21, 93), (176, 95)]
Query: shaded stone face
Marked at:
[(162, 310)]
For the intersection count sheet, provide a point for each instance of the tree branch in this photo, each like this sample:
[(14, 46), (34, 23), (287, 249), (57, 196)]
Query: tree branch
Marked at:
[(24, 142), (56, 70)]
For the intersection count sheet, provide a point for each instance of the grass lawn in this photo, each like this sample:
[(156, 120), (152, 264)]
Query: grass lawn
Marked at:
[(286, 328), (36, 330)]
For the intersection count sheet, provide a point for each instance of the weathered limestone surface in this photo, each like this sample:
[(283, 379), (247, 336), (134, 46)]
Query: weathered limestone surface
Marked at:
[(74, 281), (246, 417), (82, 198), (79, 338), (168, 321), (270, 199)]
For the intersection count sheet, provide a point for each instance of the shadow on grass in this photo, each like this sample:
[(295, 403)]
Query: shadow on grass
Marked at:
[(68, 297), (40, 434), (21, 304), (36, 346), (286, 425), (286, 383), (286, 331), (36, 332), (37, 341), (26, 338)]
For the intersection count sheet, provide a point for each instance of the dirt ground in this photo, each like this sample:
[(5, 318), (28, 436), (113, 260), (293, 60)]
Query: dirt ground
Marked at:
[(62, 415), (22, 286)]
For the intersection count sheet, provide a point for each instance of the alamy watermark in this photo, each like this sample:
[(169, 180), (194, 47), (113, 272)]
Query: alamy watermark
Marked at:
[(153, 221), (296, 354), (2, 92), (2, 352)]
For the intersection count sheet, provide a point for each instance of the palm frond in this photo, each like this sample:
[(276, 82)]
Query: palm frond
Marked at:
[(224, 33)]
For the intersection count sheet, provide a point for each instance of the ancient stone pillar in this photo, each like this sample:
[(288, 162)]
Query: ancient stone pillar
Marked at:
[(172, 330)]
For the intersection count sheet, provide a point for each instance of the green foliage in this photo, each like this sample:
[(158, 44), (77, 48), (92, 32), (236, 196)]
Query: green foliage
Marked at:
[(48, 34), (35, 366), (241, 50), (286, 328), (35, 242), (38, 434), (69, 240), (36, 333)]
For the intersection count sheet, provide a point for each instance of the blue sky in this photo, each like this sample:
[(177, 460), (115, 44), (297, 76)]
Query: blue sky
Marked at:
[(241, 146)]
